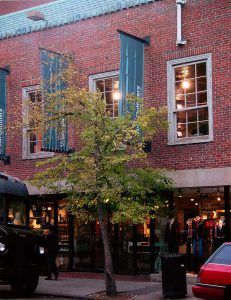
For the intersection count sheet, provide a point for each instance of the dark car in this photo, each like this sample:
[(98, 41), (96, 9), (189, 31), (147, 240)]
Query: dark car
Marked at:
[(214, 278), (21, 250)]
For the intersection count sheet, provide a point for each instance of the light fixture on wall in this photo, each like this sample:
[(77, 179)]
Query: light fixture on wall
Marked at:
[(180, 193), (218, 195)]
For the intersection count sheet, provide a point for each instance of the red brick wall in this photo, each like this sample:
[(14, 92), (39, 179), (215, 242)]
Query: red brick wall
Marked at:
[(9, 6), (95, 44)]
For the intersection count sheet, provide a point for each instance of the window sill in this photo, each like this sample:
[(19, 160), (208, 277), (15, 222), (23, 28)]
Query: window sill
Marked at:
[(39, 155), (191, 141)]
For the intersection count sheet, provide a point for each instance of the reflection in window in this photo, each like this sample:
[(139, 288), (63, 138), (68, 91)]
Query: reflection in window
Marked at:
[(16, 212), (191, 100)]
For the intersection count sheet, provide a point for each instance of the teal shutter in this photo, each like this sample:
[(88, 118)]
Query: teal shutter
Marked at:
[(131, 70), (3, 74), (56, 137)]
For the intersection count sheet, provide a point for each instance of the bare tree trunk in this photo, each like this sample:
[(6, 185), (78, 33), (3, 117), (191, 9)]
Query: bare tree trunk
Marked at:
[(108, 265)]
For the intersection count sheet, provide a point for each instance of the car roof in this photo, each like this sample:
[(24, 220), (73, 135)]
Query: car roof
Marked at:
[(12, 185)]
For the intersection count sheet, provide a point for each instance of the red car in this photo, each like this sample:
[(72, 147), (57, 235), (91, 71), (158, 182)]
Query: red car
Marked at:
[(214, 278)]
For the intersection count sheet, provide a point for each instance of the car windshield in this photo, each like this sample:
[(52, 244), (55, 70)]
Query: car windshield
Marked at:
[(16, 212), (223, 256), (1, 211)]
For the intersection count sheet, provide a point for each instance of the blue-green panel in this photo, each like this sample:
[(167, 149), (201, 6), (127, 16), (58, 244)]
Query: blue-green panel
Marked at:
[(131, 70)]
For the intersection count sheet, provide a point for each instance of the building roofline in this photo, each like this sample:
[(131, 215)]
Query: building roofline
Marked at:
[(29, 26)]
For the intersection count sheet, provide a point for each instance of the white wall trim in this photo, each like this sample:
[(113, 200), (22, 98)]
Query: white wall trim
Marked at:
[(201, 177)]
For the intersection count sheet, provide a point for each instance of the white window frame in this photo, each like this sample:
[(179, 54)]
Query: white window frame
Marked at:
[(172, 134), (25, 138), (105, 75)]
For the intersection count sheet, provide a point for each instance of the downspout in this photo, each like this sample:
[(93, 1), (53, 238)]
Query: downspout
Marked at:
[(180, 41)]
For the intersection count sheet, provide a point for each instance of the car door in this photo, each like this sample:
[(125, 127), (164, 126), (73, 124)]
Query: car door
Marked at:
[(218, 268)]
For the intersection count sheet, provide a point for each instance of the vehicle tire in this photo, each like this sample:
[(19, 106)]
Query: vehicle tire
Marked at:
[(24, 285), (227, 295)]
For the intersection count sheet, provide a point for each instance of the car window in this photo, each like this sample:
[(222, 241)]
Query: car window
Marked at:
[(1, 211), (16, 212), (223, 256)]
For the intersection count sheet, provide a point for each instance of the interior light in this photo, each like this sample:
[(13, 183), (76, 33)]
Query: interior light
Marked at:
[(179, 133), (179, 106), (180, 193), (191, 199), (116, 95), (185, 84), (218, 198), (48, 208), (196, 203)]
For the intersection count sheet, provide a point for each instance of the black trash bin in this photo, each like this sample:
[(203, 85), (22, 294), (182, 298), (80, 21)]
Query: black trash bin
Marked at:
[(173, 276)]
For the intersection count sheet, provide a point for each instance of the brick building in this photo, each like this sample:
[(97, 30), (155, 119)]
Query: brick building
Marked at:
[(186, 68)]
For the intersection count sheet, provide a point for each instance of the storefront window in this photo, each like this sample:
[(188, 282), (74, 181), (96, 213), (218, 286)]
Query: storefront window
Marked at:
[(63, 236), (16, 212), (41, 215)]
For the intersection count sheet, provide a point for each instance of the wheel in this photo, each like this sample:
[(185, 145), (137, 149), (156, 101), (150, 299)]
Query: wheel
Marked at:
[(24, 284)]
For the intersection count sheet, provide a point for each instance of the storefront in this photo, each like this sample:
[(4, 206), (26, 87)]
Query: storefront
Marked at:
[(136, 247)]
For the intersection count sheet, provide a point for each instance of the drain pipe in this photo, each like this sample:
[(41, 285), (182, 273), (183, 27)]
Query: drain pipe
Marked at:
[(180, 41)]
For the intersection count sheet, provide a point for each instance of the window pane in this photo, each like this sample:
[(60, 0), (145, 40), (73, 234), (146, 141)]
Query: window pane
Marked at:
[(201, 69), (181, 117), (180, 102), (116, 84), (192, 116), (190, 100), (185, 72), (109, 97), (178, 88), (100, 85), (191, 86), (192, 129), (108, 84), (203, 114), (204, 128), (201, 84), (181, 130), (35, 142), (223, 256), (202, 98)]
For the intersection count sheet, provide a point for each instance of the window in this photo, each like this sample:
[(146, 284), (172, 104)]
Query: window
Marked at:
[(32, 140), (16, 212), (190, 100), (222, 257), (108, 85)]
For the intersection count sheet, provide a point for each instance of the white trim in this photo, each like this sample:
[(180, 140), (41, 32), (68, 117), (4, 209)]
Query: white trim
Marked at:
[(172, 140), (93, 77), (201, 177), (25, 147)]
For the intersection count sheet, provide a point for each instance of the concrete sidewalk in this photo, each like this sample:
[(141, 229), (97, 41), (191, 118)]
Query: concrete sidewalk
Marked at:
[(94, 288), (82, 287)]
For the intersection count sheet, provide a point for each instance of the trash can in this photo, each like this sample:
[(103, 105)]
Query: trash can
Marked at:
[(173, 276)]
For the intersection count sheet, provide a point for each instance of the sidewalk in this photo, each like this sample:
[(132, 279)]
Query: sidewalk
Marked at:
[(92, 286)]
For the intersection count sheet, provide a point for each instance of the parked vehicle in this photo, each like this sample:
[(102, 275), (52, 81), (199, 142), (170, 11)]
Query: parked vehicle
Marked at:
[(214, 278), (22, 251)]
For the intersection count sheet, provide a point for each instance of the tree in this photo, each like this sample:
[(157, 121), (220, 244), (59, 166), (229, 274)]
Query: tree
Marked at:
[(108, 172)]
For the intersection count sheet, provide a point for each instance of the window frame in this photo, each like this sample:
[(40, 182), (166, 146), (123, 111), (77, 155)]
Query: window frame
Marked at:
[(25, 136), (105, 75), (172, 111)]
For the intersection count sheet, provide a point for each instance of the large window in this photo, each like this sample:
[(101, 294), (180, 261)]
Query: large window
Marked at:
[(32, 140), (189, 100), (16, 212), (108, 85)]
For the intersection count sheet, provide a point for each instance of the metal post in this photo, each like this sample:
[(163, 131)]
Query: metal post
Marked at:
[(179, 41), (227, 213)]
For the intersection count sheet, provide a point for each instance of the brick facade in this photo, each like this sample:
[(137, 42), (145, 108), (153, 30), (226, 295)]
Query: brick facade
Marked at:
[(95, 45)]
